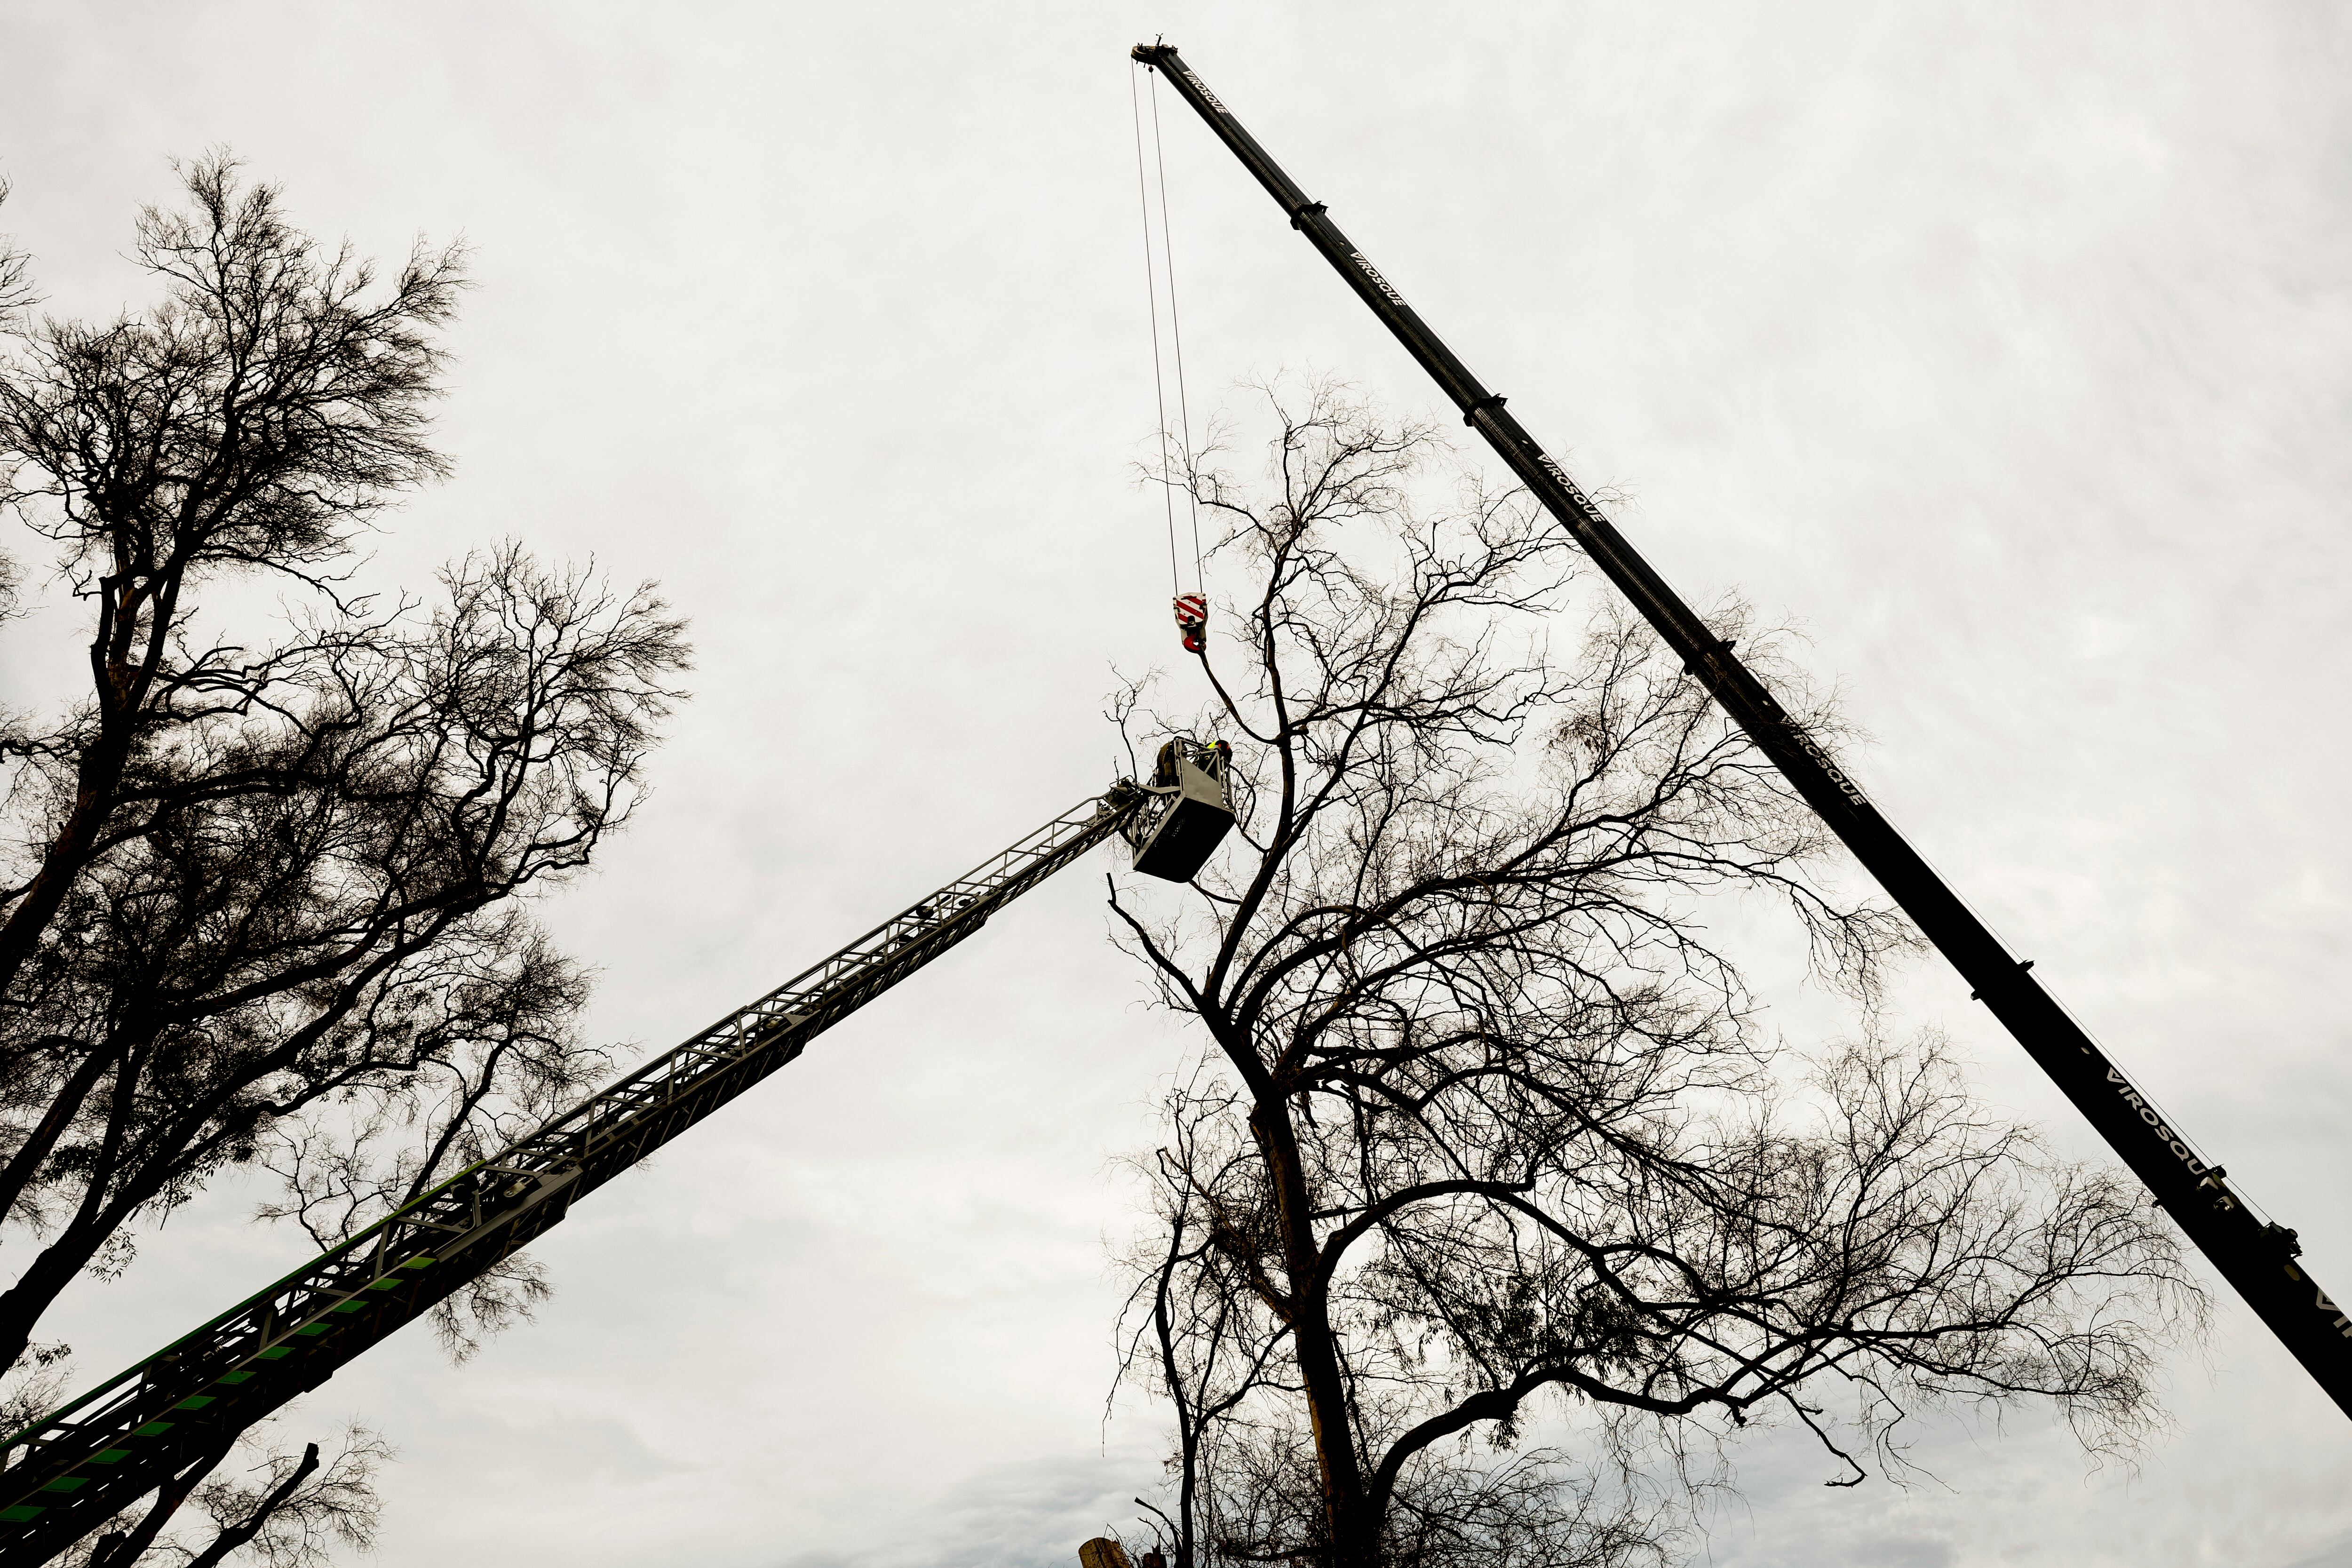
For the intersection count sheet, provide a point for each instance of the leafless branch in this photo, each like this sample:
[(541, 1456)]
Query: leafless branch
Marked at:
[(1497, 1138)]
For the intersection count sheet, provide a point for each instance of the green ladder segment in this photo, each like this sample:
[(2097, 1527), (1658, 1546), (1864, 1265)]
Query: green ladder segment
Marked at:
[(70, 1472)]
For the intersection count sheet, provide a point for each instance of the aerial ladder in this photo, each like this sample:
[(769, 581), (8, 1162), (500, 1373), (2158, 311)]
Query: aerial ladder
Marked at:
[(90, 1459), (2258, 1258)]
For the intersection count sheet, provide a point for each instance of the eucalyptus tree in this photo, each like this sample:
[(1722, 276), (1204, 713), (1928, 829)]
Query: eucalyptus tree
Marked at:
[(264, 876)]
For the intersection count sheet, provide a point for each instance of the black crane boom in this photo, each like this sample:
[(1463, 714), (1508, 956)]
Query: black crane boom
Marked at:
[(2257, 1258), (83, 1464)]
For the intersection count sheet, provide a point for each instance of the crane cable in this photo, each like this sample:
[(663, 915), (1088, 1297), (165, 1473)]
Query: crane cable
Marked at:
[(1151, 274)]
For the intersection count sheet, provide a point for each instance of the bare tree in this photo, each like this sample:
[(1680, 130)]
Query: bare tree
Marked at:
[(284, 1512), (262, 887), (1489, 1141)]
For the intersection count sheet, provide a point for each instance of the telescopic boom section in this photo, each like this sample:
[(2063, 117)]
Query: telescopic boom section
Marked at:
[(87, 1462), (2257, 1258)]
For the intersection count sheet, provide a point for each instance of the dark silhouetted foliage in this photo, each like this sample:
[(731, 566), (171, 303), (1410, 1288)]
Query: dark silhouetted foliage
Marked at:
[(1488, 1140), (262, 884)]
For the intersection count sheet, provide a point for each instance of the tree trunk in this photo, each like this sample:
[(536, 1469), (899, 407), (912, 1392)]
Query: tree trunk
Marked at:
[(236, 1535), (23, 1303), (52, 1269), (102, 774), (121, 1548), (25, 1163), (1354, 1539)]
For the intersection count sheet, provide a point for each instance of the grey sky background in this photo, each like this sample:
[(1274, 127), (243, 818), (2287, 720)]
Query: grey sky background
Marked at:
[(2005, 350)]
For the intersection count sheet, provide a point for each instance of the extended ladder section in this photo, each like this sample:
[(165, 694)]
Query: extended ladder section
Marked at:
[(2257, 1258), (88, 1461)]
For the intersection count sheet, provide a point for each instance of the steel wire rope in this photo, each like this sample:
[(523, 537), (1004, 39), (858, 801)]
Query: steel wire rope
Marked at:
[(1151, 299), (1175, 328)]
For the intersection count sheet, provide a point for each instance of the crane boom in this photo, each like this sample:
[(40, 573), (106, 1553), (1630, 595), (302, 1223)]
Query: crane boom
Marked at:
[(2257, 1258), (84, 1463)]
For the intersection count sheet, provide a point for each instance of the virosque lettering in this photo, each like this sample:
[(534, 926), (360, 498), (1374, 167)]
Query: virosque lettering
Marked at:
[(1575, 491), (1811, 748), (2223, 1202), (2341, 1324), (1206, 96), (1382, 284)]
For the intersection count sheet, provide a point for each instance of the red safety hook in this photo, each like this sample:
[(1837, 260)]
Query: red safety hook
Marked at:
[(1193, 621)]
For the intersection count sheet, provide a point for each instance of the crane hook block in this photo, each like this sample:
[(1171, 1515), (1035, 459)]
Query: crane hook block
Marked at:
[(1187, 811), (1193, 621)]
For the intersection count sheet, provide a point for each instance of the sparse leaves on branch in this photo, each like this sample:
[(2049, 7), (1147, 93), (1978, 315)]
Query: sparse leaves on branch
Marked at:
[(264, 882), (257, 1503)]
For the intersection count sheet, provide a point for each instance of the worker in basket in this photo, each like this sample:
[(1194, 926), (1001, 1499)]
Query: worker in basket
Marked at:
[(1215, 757), (1193, 621)]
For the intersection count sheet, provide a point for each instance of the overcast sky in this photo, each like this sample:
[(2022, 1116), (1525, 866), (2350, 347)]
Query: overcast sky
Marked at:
[(2005, 349)]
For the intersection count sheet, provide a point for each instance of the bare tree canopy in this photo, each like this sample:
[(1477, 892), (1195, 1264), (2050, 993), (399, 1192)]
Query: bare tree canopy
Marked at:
[(261, 885), (1490, 1142)]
